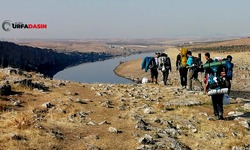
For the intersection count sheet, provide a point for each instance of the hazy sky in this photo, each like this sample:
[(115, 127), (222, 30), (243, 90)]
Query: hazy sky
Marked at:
[(88, 19)]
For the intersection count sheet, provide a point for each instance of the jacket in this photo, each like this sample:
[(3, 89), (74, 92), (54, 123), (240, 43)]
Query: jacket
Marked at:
[(146, 62), (190, 61)]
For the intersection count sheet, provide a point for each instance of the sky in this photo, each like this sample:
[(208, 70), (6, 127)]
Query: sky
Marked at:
[(103, 19)]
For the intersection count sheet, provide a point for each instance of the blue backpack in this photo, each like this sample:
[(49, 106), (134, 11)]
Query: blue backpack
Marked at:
[(214, 80), (229, 70)]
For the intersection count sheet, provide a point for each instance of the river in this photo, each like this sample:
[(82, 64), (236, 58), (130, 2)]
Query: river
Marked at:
[(98, 72)]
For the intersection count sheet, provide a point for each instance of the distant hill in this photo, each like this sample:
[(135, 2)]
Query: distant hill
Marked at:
[(238, 45)]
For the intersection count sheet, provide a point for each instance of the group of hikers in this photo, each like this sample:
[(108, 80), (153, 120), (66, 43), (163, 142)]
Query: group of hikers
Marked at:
[(217, 74)]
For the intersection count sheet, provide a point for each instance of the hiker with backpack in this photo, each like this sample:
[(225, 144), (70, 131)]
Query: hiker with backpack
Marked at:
[(229, 72), (207, 70), (215, 86), (181, 63), (164, 66), (193, 66), (152, 64)]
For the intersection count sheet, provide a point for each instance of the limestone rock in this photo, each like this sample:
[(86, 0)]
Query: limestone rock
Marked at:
[(113, 130), (147, 139), (47, 105)]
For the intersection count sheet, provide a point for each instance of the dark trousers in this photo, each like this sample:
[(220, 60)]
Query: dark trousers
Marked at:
[(228, 85), (183, 76), (154, 73), (165, 76), (218, 104)]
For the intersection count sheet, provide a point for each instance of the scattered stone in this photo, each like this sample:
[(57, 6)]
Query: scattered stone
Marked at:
[(113, 130), (99, 94), (245, 123), (104, 122), (147, 139), (169, 124), (157, 120), (142, 122), (60, 110), (235, 113), (246, 106), (73, 115), (202, 113), (91, 123), (105, 104), (121, 107), (17, 138), (131, 94), (147, 111), (136, 135), (234, 134), (70, 99), (61, 84), (173, 132), (47, 105), (142, 127), (56, 135), (17, 103), (220, 135), (82, 114)]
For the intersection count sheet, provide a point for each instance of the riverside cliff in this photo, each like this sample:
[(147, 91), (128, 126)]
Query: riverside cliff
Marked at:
[(46, 61)]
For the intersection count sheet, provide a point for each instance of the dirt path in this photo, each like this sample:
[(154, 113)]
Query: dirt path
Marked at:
[(241, 76)]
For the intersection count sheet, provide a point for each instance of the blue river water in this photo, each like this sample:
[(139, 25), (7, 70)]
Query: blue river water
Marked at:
[(98, 72)]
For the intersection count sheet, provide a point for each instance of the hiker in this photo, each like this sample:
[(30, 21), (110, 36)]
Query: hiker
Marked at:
[(152, 64), (164, 66), (229, 72), (181, 66), (207, 70), (154, 71), (192, 71), (217, 99)]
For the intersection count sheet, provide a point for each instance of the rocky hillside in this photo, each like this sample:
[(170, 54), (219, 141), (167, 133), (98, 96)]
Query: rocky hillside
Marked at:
[(46, 61), (38, 113)]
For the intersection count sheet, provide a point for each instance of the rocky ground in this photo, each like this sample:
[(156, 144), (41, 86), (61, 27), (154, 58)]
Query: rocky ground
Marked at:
[(38, 113)]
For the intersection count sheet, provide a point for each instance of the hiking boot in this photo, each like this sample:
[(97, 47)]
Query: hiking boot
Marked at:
[(220, 118)]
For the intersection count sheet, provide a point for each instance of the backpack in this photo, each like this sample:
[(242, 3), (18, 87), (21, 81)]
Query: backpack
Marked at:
[(152, 64), (165, 63), (184, 57), (229, 70), (214, 81), (197, 64)]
